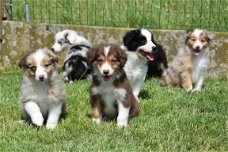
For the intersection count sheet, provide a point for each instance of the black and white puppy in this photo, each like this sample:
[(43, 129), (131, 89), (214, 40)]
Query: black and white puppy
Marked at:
[(143, 54), (76, 65)]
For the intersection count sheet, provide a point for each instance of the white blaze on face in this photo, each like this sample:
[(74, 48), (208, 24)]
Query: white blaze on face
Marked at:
[(198, 44), (106, 66), (149, 44), (40, 71), (57, 46)]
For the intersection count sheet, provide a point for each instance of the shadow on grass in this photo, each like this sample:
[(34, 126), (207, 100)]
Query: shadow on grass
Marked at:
[(144, 94)]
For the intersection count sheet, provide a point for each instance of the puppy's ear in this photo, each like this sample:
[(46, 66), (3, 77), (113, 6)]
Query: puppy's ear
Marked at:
[(23, 62), (152, 37), (70, 37), (129, 37), (122, 56), (91, 54), (189, 32), (210, 35), (54, 58)]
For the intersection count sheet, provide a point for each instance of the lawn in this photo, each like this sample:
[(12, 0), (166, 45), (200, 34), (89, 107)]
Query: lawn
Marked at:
[(170, 120)]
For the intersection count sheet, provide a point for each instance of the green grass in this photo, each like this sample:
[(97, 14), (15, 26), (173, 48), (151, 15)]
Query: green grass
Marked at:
[(154, 14), (170, 120)]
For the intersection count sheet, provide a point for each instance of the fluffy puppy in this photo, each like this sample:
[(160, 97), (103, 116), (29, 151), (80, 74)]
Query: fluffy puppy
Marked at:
[(110, 93), (142, 52), (42, 96), (179, 73), (76, 65), (66, 38), (190, 66)]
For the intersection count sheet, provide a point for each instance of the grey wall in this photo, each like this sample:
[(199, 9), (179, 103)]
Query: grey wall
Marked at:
[(19, 38)]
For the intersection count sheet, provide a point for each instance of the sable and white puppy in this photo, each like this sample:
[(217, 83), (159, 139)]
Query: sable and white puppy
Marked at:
[(142, 52), (190, 66), (76, 65), (110, 93), (198, 42), (42, 96)]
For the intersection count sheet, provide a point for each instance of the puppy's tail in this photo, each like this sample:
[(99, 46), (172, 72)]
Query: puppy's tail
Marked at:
[(164, 75), (163, 68)]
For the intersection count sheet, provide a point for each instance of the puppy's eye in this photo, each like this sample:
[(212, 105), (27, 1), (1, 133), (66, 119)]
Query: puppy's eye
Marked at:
[(203, 40), (32, 68), (99, 61), (143, 40), (47, 65), (114, 61), (193, 39), (61, 41)]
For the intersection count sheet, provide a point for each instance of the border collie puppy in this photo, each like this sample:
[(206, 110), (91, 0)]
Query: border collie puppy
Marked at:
[(42, 96), (190, 66), (142, 52), (111, 95), (76, 65)]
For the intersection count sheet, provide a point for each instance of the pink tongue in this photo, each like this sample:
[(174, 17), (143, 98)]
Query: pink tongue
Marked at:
[(106, 78), (150, 57), (197, 52)]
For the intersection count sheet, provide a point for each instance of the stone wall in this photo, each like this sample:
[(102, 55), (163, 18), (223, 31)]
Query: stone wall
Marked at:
[(19, 38)]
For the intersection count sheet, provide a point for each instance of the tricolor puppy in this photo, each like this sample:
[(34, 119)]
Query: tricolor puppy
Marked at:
[(111, 95), (76, 65), (143, 53), (42, 96), (190, 66)]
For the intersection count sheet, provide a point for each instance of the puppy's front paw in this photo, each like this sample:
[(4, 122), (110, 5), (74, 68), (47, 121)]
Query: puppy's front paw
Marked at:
[(38, 121), (189, 89), (97, 120), (51, 125), (196, 89), (65, 79), (121, 123)]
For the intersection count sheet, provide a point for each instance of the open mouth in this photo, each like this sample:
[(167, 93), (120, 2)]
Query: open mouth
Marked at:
[(147, 55), (106, 77), (196, 52)]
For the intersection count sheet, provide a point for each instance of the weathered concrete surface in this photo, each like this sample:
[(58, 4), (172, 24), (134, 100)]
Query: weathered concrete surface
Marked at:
[(19, 38)]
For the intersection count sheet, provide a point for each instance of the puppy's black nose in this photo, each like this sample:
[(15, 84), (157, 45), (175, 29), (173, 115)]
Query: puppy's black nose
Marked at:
[(52, 49), (197, 47), (154, 48), (41, 77), (106, 72)]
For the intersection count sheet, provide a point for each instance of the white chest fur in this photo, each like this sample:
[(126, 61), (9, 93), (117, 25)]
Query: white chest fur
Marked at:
[(110, 96), (200, 65), (136, 69)]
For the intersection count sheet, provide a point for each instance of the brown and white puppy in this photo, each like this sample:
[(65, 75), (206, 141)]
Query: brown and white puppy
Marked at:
[(190, 66), (110, 93), (42, 96)]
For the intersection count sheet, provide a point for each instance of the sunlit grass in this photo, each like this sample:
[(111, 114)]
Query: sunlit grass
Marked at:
[(170, 120)]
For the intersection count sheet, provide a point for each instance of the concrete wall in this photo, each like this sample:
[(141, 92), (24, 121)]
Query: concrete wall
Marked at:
[(19, 38)]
